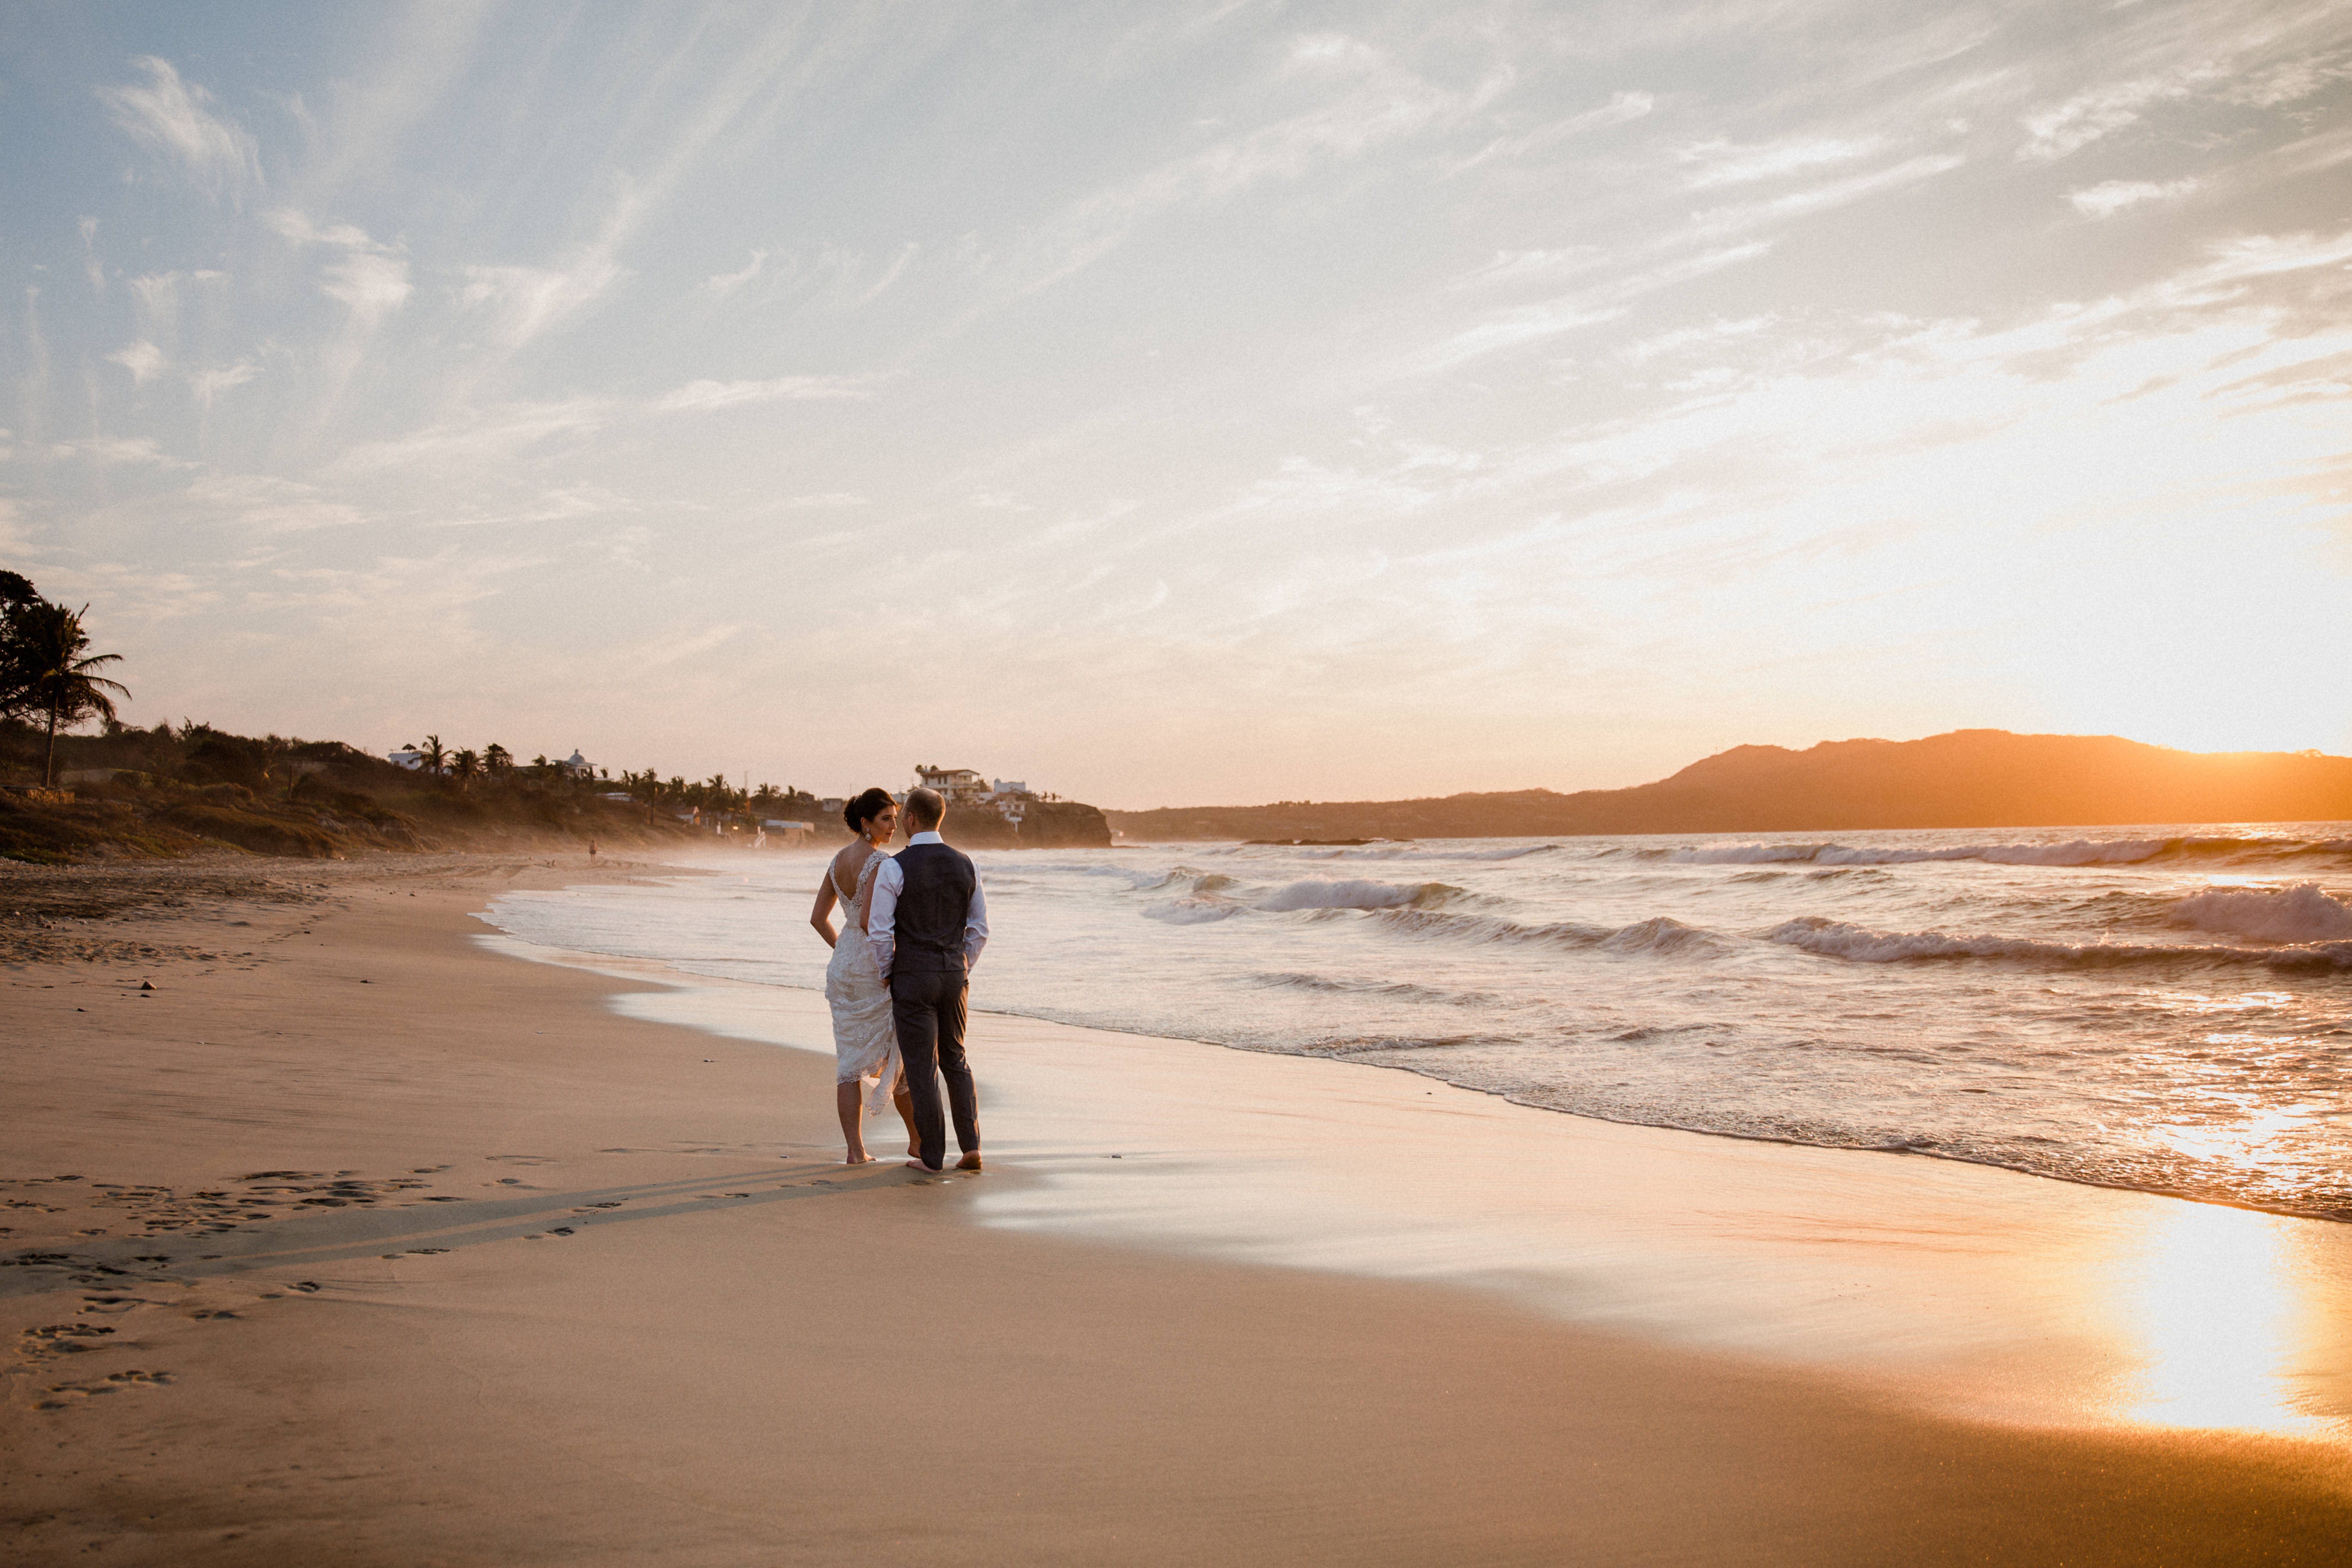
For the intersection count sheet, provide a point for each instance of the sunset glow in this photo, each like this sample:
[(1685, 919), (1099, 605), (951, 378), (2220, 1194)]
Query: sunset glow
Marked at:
[(1191, 404)]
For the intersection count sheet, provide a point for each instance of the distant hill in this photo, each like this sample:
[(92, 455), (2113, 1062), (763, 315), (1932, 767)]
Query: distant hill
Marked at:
[(1968, 778)]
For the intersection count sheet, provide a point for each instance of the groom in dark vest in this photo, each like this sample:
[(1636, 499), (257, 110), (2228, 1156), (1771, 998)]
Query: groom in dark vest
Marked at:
[(927, 922)]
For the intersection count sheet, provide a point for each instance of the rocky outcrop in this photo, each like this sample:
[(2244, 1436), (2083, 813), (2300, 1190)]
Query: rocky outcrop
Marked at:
[(1046, 825)]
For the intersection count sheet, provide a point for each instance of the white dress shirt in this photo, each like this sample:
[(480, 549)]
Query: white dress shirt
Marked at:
[(882, 913)]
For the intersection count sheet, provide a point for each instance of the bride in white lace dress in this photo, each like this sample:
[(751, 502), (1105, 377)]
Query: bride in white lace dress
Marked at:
[(865, 1040)]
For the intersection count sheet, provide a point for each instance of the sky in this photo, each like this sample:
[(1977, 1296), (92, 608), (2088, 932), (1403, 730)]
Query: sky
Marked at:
[(1179, 403)]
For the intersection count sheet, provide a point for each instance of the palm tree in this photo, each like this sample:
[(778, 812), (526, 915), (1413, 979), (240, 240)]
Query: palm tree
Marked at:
[(497, 760), (436, 760), (464, 765), (51, 673)]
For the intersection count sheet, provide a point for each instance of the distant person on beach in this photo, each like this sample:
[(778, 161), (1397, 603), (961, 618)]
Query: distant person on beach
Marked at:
[(864, 1038), (927, 924)]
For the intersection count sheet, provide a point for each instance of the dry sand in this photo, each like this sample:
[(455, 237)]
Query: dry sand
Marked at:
[(661, 1326)]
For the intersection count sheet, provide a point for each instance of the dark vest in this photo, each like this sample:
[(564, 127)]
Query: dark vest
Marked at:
[(934, 901)]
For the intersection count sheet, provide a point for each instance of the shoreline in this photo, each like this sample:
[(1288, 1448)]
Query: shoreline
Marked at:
[(1966, 1287), (1993, 1095), (696, 1378)]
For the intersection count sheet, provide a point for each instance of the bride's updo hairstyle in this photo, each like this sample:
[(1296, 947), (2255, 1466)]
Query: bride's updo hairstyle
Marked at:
[(864, 808)]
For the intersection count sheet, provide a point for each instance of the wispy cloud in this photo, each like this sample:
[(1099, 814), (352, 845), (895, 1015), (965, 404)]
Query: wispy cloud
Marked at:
[(524, 301), (144, 360), (1586, 308), (370, 286), (89, 263), (262, 503), (125, 450), (2111, 197), (725, 283), (499, 435), (157, 296), (2093, 114), (1371, 99), (369, 280), (1618, 110), (702, 396), (1729, 163), (171, 116), (1510, 267), (1724, 221), (906, 254), (208, 384)]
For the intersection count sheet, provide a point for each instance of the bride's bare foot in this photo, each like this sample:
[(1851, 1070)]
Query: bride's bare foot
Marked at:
[(857, 1157), (970, 1161)]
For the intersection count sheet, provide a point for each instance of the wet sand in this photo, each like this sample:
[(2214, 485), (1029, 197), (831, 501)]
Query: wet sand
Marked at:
[(659, 1324)]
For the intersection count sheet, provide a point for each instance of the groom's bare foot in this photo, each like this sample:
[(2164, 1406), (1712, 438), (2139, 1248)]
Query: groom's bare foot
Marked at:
[(919, 1165), (970, 1161)]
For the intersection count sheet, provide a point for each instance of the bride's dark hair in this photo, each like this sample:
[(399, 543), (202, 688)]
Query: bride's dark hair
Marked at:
[(864, 808)]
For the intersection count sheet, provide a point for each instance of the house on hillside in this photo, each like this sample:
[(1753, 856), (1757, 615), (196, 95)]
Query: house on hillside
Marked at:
[(1009, 799), (962, 786)]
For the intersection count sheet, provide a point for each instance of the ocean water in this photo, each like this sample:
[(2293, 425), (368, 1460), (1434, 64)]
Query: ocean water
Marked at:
[(2161, 1008)]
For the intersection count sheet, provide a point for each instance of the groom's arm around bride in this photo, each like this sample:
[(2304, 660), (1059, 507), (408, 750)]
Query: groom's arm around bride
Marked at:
[(928, 922)]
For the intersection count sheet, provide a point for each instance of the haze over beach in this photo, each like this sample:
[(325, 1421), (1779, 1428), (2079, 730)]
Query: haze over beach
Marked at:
[(1679, 889)]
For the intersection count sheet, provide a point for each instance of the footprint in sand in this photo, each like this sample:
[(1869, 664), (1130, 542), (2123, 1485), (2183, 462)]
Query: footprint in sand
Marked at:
[(58, 1339), (113, 1383)]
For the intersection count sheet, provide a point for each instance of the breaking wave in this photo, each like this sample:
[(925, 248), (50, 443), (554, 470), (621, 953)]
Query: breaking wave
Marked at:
[(1662, 934), (2302, 913), (2075, 852), (1859, 944), (1315, 894), (1398, 990)]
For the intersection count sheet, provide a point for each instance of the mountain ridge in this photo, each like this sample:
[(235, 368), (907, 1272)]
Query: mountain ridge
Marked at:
[(1962, 778)]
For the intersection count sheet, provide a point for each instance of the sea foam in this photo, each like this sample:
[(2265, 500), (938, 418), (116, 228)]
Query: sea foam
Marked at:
[(2304, 912), (1859, 944), (1315, 894), (2073, 852)]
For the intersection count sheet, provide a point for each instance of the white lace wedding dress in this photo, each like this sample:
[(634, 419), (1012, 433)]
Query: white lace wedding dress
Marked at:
[(865, 1039)]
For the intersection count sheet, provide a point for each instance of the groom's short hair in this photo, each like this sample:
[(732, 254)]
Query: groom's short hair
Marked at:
[(926, 808)]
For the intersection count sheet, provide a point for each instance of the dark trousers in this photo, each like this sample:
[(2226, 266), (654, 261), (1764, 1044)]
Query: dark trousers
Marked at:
[(928, 1008)]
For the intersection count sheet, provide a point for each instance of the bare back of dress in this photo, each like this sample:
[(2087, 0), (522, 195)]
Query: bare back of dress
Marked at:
[(855, 901), (865, 1039)]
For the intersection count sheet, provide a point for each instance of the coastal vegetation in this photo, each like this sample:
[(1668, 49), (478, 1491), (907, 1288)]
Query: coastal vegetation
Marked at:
[(169, 790), (173, 789), (47, 668)]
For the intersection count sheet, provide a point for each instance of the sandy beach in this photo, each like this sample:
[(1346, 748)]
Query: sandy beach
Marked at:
[(357, 1237)]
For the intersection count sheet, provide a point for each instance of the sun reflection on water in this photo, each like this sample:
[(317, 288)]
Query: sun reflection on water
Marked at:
[(2221, 1321)]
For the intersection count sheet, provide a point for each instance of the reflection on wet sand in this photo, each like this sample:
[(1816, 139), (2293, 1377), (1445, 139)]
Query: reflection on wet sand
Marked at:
[(2225, 1314), (1988, 1293)]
